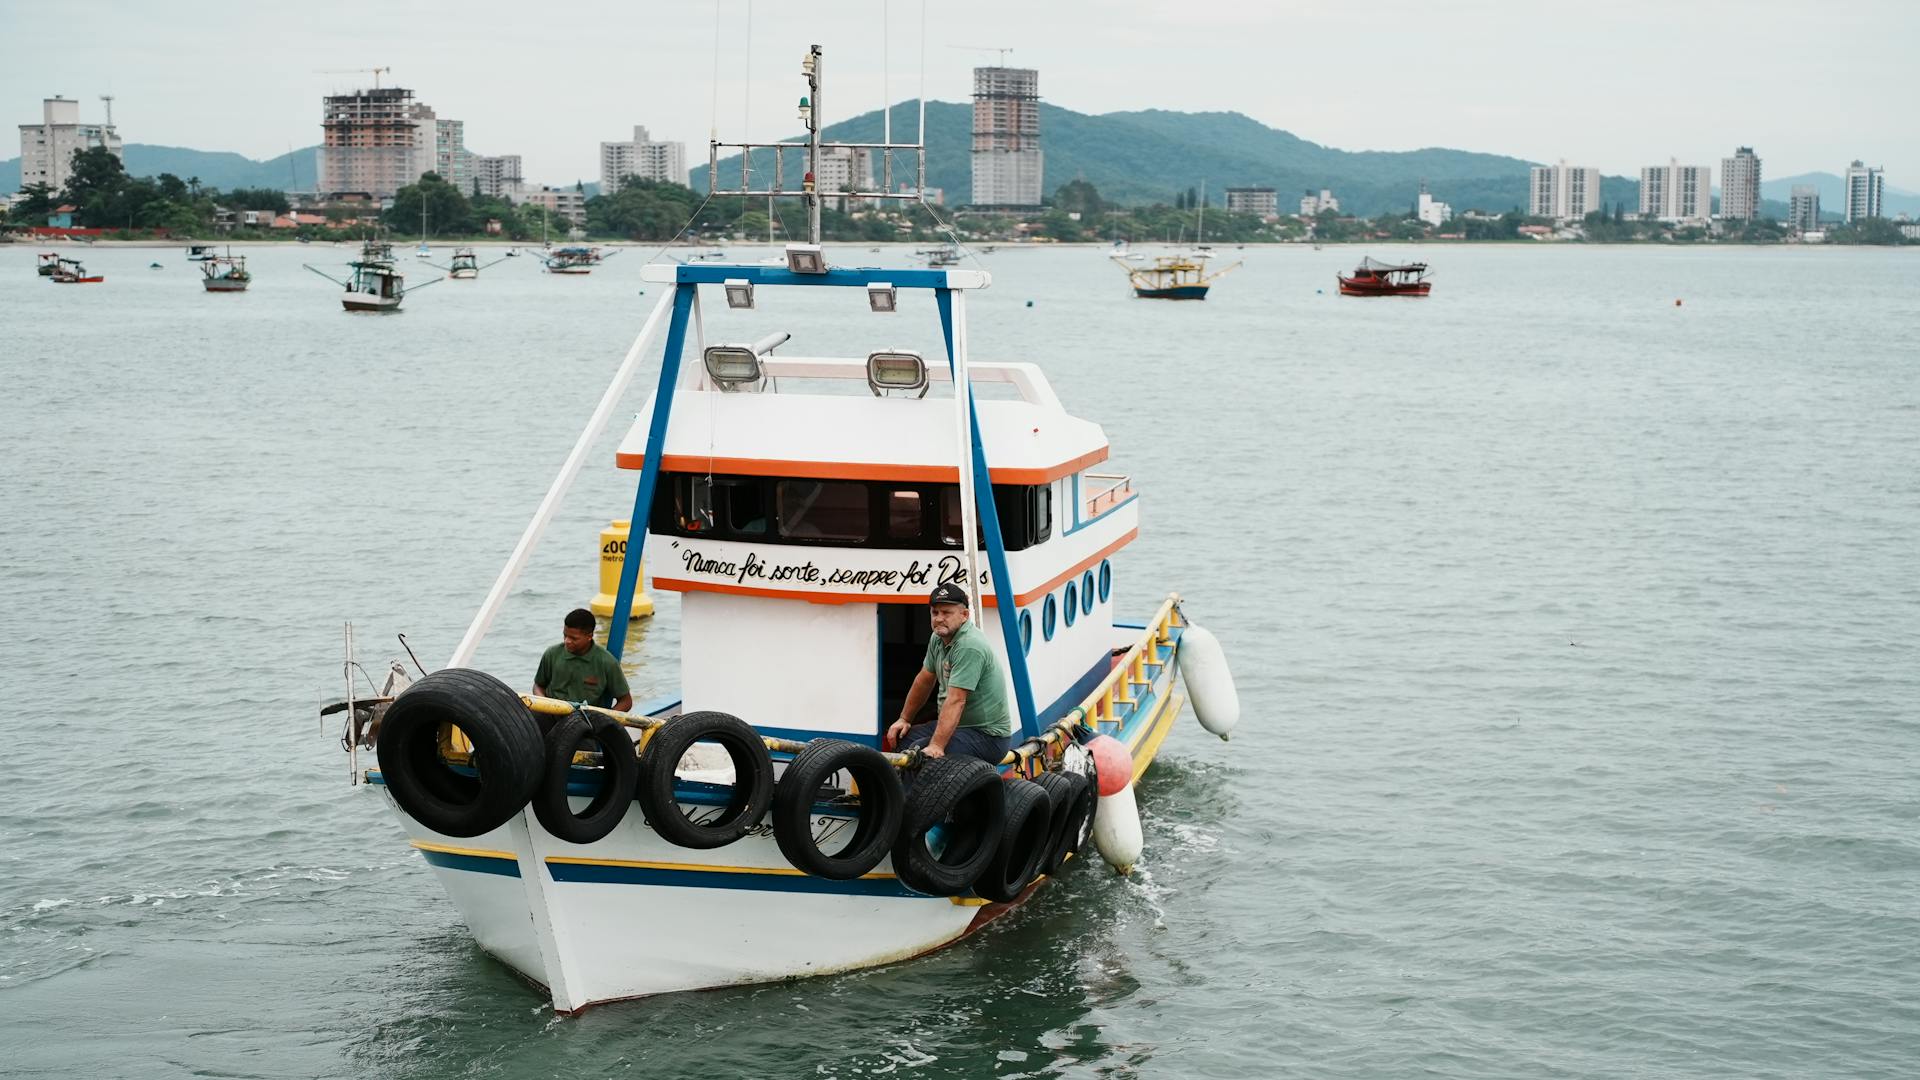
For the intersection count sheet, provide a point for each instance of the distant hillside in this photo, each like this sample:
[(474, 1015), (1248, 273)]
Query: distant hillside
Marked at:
[(1153, 156), (288, 172)]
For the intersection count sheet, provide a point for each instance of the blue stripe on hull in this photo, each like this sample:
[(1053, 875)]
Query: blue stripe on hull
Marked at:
[(601, 874), (479, 864)]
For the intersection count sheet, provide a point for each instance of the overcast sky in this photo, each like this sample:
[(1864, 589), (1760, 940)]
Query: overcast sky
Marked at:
[(1809, 86)]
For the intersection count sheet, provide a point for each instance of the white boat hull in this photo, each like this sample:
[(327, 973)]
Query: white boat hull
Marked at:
[(369, 302), (632, 915), (463, 275)]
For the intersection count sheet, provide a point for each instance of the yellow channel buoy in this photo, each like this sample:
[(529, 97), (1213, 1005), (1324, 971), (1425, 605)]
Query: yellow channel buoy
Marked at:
[(613, 555)]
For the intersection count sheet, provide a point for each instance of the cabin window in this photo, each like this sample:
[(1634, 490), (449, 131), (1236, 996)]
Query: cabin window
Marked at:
[(1086, 593), (1026, 632), (1048, 616), (1072, 603), (740, 505), (823, 510), (904, 516), (1106, 580), (1040, 513)]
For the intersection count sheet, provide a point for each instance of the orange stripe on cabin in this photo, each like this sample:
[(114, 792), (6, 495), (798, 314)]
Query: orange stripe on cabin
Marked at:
[(849, 470), (689, 585)]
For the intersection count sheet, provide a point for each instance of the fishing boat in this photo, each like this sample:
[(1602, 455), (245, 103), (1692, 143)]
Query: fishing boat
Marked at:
[(753, 825), (1171, 277), (69, 272), (49, 262), (200, 252), (226, 273), (373, 283), (575, 259), (943, 255), (466, 265), (1373, 278)]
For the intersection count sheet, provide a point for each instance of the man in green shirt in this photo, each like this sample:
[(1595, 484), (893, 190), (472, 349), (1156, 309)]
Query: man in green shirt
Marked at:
[(579, 670), (972, 715)]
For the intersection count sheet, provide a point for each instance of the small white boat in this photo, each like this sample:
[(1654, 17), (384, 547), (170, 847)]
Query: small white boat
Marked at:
[(373, 284)]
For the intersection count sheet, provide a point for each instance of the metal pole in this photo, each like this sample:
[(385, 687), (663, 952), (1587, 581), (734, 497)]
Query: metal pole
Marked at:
[(353, 727), (813, 147)]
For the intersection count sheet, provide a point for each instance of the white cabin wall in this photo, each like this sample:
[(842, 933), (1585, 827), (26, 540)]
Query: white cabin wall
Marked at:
[(782, 663)]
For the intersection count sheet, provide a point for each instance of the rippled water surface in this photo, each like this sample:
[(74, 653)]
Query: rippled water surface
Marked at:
[(1577, 633)]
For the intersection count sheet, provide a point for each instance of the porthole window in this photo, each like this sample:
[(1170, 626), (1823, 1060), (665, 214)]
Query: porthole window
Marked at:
[(1086, 593), (1106, 580), (1026, 632), (1047, 615), (1072, 603)]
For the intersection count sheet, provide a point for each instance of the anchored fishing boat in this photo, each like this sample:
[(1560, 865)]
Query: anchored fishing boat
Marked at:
[(575, 260), (49, 262), (943, 255), (1171, 277), (69, 272), (374, 283), (200, 252), (466, 265), (1373, 278), (753, 826), (225, 273)]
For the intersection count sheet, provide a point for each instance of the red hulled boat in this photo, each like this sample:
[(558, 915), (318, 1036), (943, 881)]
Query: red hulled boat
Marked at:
[(1379, 279)]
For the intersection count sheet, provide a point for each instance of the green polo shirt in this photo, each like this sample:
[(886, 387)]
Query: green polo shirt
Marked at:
[(970, 665), (594, 678)]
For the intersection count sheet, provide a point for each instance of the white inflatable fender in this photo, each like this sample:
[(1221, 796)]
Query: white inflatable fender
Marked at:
[(1203, 665), (1116, 830)]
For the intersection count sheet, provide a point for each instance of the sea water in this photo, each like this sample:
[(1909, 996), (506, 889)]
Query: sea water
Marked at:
[(1575, 611)]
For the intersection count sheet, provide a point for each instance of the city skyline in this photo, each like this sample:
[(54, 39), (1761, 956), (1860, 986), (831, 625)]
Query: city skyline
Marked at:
[(1466, 78)]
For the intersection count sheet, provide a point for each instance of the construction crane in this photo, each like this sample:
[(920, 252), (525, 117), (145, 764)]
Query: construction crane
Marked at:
[(377, 72), (1001, 62)]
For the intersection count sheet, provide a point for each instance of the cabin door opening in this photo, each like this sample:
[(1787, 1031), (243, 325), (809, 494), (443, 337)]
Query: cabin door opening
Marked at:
[(904, 633)]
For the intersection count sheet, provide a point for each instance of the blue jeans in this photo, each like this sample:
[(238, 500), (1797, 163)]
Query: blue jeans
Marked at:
[(971, 742)]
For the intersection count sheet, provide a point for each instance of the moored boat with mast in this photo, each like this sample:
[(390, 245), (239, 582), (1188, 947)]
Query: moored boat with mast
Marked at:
[(1374, 278), (225, 273), (812, 498), (374, 283)]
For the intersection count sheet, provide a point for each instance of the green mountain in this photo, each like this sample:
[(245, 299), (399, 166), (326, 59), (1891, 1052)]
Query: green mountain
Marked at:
[(1152, 156), (293, 171)]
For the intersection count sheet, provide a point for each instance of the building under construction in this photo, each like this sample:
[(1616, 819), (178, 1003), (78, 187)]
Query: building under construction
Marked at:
[(1007, 169), (376, 142)]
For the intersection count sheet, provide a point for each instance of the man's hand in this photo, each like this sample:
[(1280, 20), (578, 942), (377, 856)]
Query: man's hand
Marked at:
[(897, 731), (933, 751)]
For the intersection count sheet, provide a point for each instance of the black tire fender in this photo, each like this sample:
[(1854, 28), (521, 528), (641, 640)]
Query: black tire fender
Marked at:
[(1078, 827), (505, 758), (619, 774), (752, 779), (965, 795), (1024, 842), (1062, 792), (882, 808)]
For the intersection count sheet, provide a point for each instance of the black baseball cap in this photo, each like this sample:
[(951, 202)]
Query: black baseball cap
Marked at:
[(948, 593)]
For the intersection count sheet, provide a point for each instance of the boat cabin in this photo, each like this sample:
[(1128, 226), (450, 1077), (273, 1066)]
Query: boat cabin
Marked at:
[(807, 504)]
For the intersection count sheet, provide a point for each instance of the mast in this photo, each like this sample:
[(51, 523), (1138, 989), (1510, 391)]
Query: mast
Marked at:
[(810, 111)]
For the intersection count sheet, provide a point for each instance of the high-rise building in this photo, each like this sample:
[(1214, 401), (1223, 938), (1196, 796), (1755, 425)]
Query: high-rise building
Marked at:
[(1803, 210), (1865, 189), (495, 176), (1431, 210), (1740, 186), (1563, 192), (47, 148), (1253, 200), (375, 141), (843, 169), (1676, 192), (1311, 204), (642, 159), (565, 203), (1007, 165), (451, 158)]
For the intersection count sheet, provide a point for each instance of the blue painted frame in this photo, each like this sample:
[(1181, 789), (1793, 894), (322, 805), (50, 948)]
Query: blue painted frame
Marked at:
[(650, 469), (989, 514)]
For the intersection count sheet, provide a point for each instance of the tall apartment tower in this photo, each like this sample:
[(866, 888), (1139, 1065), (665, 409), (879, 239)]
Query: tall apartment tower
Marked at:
[(1007, 166), (495, 175), (1865, 189), (1803, 209), (451, 158), (375, 141), (1563, 192), (642, 159), (1740, 186), (47, 148), (1676, 192)]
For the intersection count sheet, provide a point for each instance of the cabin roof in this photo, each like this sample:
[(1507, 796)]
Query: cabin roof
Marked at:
[(862, 438)]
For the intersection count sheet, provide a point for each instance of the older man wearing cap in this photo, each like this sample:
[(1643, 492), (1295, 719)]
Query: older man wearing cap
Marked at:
[(971, 699)]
